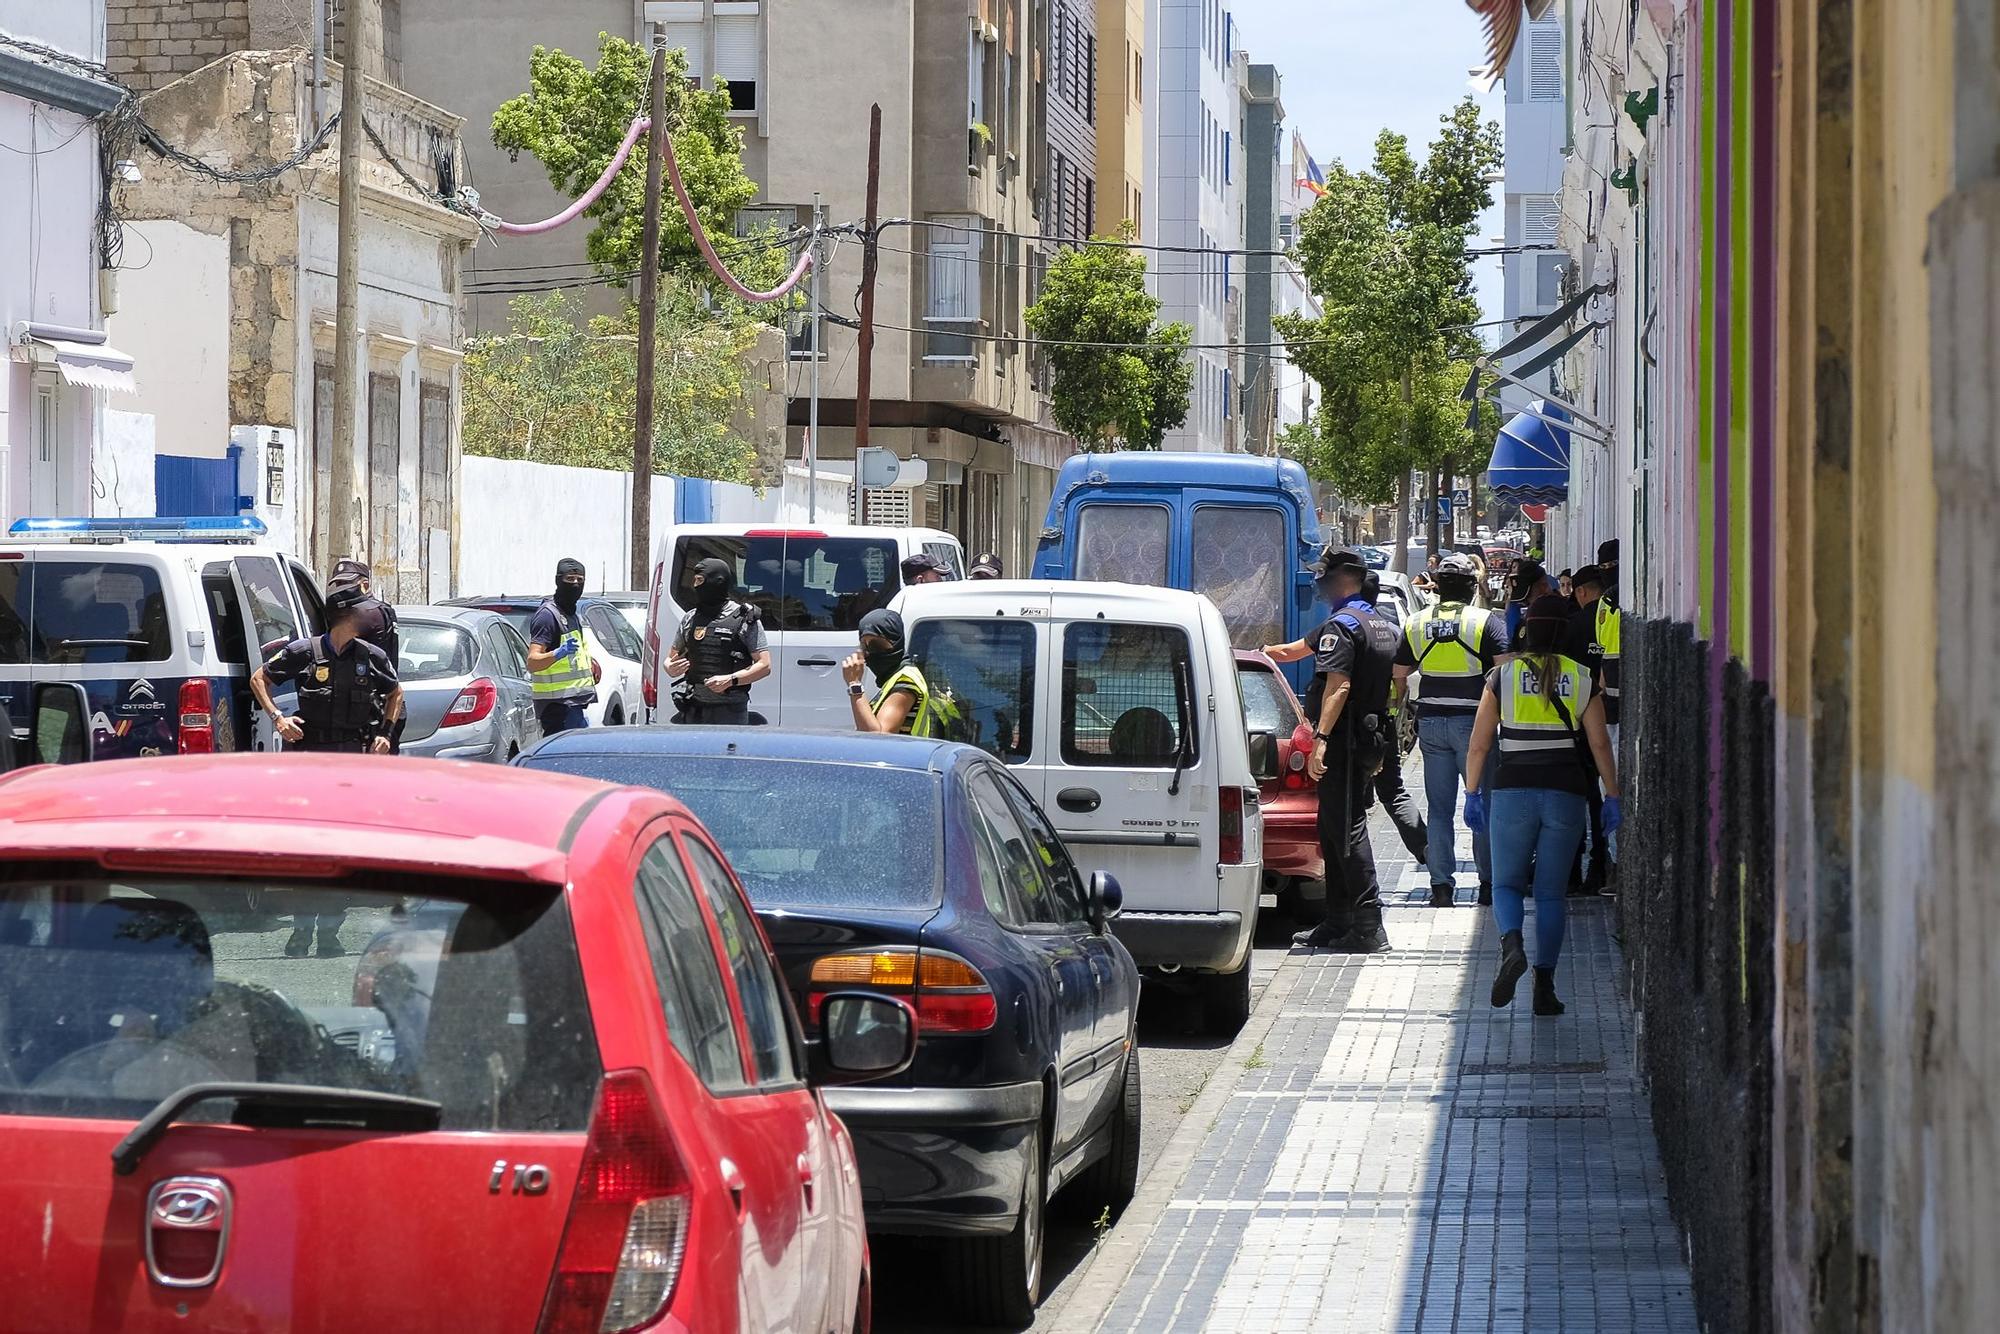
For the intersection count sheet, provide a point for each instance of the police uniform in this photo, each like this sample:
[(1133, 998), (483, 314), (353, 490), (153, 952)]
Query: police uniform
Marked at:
[(562, 688), (342, 695), (1360, 645), (720, 643), (374, 621), (1453, 645)]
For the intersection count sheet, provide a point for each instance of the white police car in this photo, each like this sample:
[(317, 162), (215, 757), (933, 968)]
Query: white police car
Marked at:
[(129, 637)]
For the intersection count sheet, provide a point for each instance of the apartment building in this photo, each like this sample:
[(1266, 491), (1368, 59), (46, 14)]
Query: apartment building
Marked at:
[(1264, 192), (1067, 112), (1122, 116), (1537, 130)]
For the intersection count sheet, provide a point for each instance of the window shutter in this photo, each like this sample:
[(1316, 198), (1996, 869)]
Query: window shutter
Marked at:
[(1545, 61), (738, 48), (695, 40), (1541, 216)]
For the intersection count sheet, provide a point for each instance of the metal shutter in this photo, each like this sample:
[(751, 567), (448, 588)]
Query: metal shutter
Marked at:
[(1545, 61), (889, 507), (1541, 215), (738, 48), (694, 38)]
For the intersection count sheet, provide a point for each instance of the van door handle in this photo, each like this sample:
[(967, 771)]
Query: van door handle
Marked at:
[(818, 662), (1083, 800)]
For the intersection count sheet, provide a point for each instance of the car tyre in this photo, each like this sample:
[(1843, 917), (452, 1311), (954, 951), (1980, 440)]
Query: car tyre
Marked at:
[(614, 716), (1112, 1181), (999, 1279), (1226, 1001)]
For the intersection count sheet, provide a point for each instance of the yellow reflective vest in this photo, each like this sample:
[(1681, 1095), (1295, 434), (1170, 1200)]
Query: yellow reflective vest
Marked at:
[(933, 715), (1537, 730), (568, 677)]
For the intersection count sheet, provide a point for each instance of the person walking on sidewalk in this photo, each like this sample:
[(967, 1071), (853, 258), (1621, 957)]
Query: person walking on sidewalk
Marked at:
[(1546, 723), (1389, 787), (1348, 704), (1453, 645)]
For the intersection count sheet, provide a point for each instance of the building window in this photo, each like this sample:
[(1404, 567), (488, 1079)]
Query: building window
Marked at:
[(322, 462), (693, 39), (739, 58), (1090, 79), (1138, 78), (433, 476), (1545, 60), (952, 308), (1226, 142), (385, 455)]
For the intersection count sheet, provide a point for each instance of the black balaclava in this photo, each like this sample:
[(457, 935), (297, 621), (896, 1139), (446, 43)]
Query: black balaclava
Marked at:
[(716, 582), (567, 597), (883, 625)]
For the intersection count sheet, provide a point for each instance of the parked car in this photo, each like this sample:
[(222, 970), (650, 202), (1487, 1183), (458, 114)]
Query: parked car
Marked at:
[(607, 1118), (630, 605), (813, 586), (1240, 528), (1116, 706), (925, 870), (465, 685), (142, 633), (1281, 739), (620, 688)]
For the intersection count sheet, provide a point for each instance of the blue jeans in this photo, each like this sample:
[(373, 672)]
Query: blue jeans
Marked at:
[(1444, 739), (1545, 827), (561, 716)]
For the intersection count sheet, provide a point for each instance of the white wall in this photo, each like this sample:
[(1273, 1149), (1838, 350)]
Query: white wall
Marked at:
[(122, 467), (173, 320)]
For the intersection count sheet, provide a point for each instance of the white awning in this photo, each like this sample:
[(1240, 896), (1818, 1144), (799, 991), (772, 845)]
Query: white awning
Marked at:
[(92, 365)]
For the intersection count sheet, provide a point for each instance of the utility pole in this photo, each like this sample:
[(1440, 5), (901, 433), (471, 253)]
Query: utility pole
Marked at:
[(342, 538), (649, 313), (812, 406), (864, 375)]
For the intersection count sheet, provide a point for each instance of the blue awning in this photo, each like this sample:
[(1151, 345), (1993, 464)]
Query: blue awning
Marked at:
[(1530, 463)]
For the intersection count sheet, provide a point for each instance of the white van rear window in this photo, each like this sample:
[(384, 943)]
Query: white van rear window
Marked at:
[(1127, 696)]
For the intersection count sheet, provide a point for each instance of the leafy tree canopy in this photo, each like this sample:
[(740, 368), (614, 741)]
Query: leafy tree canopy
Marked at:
[(1118, 378)]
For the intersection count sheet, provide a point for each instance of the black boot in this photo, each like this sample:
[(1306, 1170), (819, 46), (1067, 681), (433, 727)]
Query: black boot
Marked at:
[(1485, 894), (1442, 895), (1324, 936), (1545, 992), (1513, 963)]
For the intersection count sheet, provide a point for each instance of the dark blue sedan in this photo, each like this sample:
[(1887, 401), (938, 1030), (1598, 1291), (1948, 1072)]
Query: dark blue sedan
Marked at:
[(923, 869)]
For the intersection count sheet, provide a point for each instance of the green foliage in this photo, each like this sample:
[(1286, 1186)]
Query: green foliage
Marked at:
[(1384, 252), (573, 117), (1136, 389), (556, 389)]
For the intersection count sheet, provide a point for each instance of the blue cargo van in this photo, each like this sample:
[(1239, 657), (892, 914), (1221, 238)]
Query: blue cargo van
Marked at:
[(1241, 529)]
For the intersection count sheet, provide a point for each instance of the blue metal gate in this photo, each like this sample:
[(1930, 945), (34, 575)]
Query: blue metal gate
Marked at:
[(186, 486)]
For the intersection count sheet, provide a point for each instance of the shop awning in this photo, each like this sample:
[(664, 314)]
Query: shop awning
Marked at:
[(81, 357), (1531, 456)]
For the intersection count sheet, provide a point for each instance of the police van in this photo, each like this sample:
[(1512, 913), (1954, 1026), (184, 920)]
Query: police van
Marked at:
[(133, 637)]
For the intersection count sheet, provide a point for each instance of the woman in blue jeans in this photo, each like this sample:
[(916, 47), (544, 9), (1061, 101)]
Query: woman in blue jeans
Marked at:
[(1540, 718)]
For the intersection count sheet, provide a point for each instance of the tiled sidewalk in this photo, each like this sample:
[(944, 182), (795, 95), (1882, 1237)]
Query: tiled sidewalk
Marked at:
[(1397, 1156)]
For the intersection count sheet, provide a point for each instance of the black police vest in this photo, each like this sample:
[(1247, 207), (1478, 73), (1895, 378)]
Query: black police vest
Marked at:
[(1374, 642), (715, 647), (337, 694)]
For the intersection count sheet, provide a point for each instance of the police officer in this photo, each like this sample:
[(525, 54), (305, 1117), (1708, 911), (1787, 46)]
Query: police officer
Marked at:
[(924, 569), (984, 566), (347, 692), (1453, 644), (1348, 702), (562, 672), (1389, 787), (718, 652), (905, 700), (375, 621)]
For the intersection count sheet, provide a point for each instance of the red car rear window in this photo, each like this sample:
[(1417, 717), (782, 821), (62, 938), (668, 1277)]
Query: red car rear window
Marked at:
[(115, 993)]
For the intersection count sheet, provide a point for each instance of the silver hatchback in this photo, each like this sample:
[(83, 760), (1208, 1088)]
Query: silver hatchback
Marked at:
[(465, 685)]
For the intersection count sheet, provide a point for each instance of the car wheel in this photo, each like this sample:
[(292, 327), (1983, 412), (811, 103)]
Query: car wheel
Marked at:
[(1226, 1001), (999, 1279), (1111, 1181), (614, 716)]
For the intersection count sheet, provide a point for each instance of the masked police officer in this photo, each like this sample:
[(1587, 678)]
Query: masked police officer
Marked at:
[(375, 621), (718, 652), (561, 669), (1348, 705)]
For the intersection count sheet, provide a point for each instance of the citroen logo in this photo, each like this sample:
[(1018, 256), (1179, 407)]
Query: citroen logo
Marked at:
[(142, 689)]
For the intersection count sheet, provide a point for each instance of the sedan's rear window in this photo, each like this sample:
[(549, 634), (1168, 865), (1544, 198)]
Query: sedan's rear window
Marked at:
[(432, 651), (115, 993), (1266, 703), (799, 833), (75, 611)]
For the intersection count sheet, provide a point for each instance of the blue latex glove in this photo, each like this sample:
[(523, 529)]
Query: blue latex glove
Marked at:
[(1613, 815), (1475, 812), (570, 650)]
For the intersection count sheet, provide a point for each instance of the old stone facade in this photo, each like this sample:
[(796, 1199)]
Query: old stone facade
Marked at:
[(150, 43)]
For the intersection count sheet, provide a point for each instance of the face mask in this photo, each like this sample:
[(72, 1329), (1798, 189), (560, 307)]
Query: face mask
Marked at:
[(709, 597), (884, 663), (567, 596)]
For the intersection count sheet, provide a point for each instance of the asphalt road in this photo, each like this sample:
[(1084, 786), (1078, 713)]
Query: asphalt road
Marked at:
[(1177, 1059)]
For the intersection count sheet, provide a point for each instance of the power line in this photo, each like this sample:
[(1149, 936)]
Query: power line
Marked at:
[(1251, 349)]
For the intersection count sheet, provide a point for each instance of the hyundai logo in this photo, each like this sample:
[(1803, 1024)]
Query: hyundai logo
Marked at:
[(187, 1230), (188, 1206)]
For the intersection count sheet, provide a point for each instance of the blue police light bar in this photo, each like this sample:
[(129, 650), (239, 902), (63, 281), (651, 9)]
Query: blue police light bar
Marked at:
[(189, 528)]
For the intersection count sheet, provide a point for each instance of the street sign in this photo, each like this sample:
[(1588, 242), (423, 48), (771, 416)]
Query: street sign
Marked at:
[(1462, 498), (877, 468), (1444, 509)]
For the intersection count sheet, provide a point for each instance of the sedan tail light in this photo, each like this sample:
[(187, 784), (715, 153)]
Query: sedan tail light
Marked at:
[(1292, 758), (949, 994), (473, 703), (628, 1221), (1231, 808), (197, 731)]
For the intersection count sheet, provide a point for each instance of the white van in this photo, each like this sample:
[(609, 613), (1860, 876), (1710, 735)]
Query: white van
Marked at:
[(812, 584), (1118, 707)]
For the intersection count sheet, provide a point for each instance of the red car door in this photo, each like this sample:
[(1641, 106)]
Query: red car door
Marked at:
[(786, 1164)]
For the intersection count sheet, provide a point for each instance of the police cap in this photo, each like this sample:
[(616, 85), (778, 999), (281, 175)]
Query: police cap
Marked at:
[(345, 595)]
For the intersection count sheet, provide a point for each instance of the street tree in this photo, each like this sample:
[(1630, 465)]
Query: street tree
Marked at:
[(1384, 253), (560, 388), (572, 119), (1119, 378)]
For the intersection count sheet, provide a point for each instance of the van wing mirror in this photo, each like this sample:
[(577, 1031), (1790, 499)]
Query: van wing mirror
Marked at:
[(1264, 756), (1106, 899), (60, 730), (862, 1036)]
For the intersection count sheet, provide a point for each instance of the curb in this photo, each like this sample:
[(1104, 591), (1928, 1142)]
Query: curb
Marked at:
[(1112, 1262)]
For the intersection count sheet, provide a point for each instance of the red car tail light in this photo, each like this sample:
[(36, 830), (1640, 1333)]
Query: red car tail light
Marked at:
[(1231, 809), (1292, 758), (949, 994), (649, 661), (628, 1221), (197, 708), (474, 703)]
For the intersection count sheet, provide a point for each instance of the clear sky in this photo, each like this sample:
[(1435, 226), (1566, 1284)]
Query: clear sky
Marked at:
[(1352, 68)]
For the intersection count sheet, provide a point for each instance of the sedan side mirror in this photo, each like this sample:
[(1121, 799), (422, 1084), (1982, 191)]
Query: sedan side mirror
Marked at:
[(1106, 898), (863, 1036), (1264, 756)]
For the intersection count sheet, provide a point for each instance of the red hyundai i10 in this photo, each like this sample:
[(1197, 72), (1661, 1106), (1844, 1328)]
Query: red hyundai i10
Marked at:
[(535, 1071)]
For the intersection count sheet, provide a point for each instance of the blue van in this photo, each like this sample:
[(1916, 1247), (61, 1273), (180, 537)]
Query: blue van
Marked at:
[(1240, 528)]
